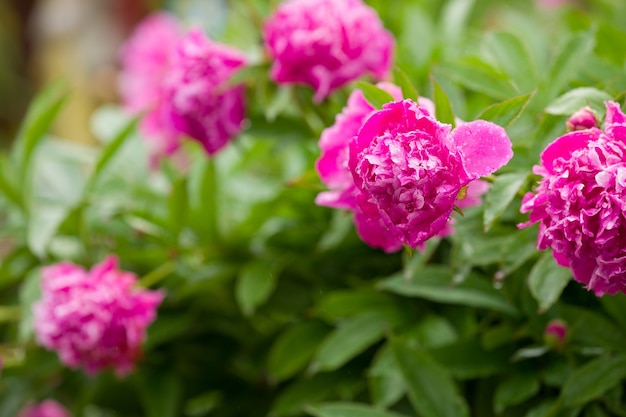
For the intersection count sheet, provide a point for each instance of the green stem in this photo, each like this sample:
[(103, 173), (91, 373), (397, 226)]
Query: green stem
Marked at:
[(156, 275)]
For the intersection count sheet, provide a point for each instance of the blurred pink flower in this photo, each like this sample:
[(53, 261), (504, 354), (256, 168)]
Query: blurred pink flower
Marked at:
[(94, 319), (203, 106), (409, 168), (326, 43), (48, 408), (555, 334), (581, 120), (146, 58), (551, 4), (580, 203)]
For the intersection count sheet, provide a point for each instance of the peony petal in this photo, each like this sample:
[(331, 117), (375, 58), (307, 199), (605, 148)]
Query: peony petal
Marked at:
[(486, 147), (614, 115), (564, 146)]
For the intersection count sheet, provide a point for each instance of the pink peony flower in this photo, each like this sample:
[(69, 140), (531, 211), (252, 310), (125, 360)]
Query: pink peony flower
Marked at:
[(332, 167), (580, 202), (581, 120), (555, 334), (146, 58), (409, 168), (94, 319), (326, 43), (48, 408), (203, 106)]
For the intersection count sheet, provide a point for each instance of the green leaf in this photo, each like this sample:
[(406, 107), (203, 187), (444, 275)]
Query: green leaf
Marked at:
[(576, 99), (41, 114), (431, 389), (111, 149), (44, 221), (506, 112), (454, 17), (547, 280), (347, 303), (443, 108), (347, 410), (374, 95), (593, 379), (467, 359), (160, 393), (479, 76), (571, 58), (294, 348), (513, 57), (435, 284), (589, 328), (352, 337), (385, 380), (615, 305), (255, 285), (203, 197), (500, 195), (177, 206), (404, 82), (515, 389), (7, 184), (30, 292)]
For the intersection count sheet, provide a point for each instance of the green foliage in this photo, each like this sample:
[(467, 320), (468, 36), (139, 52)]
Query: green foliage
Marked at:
[(274, 306)]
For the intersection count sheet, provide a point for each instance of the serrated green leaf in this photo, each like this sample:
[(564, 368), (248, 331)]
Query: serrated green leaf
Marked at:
[(574, 100), (506, 112), (435, 284), (443, 108), (430, 386), (514, 390), (255, 285), (375, 96), (547, 280), (593, 379), (347, 410), (352, 337), (293, 348), (402, 80), (500, 195)]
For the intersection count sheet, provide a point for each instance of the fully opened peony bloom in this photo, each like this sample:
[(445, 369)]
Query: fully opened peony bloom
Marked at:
[(333, 169), (326, 43), (94, 319), (48, 408), (409, 168), (179, 80), (203, 106), (580, 203), (146, 59)]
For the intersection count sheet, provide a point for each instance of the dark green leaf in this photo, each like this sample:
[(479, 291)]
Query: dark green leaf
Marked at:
[(293, 348), (348, 340), (506, 112), (514, 390), (160, 394), (347, 410), (615, 305), (547, 280), (430, 386), (385, 380), (500, 195), (468, 359), (435, 284), (443, 108), (374, 95), (593, 379)]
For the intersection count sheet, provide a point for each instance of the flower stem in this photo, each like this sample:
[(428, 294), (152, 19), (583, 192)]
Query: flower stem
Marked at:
[(156, 275)]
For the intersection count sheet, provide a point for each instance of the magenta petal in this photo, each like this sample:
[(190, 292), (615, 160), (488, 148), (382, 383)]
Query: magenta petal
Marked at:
[(614, 115), (486, 147), (564, 146)]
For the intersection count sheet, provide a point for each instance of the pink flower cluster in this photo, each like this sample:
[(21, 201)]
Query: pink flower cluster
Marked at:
[(180, 80), (48, 408), (94, 319), (580, 203), (326, 43), (394, 174)]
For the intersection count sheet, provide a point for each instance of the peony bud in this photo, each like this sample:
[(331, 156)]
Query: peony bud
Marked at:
[(583, 119), (555, 334)]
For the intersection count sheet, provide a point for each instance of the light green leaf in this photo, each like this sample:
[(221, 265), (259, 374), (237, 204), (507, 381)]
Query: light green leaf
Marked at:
[(500, 195), (352, 337), (514, 390), (347, 410), (30, 292), (454, 17), (430, 386), (479, 76), (513, 57), (593, 379), (293, 348), (435, 284), (443, 108), (506, 112), (41, 114), (374, 95), (255, 285), (547, 280), (574, 100)]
